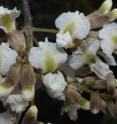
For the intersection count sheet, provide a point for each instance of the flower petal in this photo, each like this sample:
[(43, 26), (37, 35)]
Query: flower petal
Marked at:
[(108, 34), (7, 19), (47, 56), (64, 40), (100, 68), (55, 84), (76, 60), (7, 58), (16, 102), (75, 23)]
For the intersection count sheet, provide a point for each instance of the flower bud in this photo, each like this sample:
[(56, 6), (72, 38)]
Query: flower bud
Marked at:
[(28, 80), (17, 41), (12, 80), (72, 95), (111, 82), (13, 76), (5, 89), (83, 71), (97, 21), (96, 103), (84, 104), (31, 116), (105, 7), (112, 15)]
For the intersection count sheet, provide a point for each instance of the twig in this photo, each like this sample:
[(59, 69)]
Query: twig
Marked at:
[(47, 30), (27, 24)]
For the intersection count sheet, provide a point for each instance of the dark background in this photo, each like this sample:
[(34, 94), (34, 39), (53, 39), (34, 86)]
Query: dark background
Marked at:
[(44, 13)]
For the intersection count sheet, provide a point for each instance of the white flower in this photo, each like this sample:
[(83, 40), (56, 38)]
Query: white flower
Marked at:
[(47, 56), (72, 25), (7, 118), (75, 23), (7, 19), (108, 34), (100, 68), (7, 58), (16, 102), (55, 84), (85, 54)]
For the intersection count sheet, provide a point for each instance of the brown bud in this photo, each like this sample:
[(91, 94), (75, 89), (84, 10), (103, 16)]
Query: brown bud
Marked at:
[(17, 41), (12, 80), (93, 83), (74, 97), (83, 71), (97, 21), (28, 80), (30, 116), (72, 94), (97, 104), (111, 82), (89, 81), (13, 76)]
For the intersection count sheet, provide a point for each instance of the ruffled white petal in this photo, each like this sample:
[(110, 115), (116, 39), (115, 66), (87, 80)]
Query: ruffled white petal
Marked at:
[(107, 47), (7, 118), (76, 60), (7, 18), (7, 58), (64, 40), (100, 68), (55, 84), (47, 56), (108, 34), (75, 23), (85, 54), (16, 103), (91, 45)]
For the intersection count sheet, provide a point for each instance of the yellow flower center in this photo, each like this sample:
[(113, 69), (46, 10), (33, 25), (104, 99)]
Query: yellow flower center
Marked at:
[(7, 23), (49, 64), (114, 38), (70, 27), (89, 57)]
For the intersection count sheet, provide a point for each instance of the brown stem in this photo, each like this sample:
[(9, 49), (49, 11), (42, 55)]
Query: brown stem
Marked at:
[(27, 24)]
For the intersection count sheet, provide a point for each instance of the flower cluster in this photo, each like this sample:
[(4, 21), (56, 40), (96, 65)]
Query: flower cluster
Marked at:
[(91, 40)]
